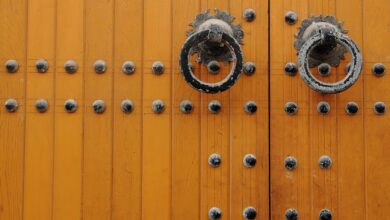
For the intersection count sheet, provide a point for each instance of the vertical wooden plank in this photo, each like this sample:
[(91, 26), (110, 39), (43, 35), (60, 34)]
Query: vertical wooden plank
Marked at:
[(68, 126), (38, 178), (215, 137), (13, 19), (127, 134), (323, 133), (97, 159), (289, 134), (376, 30), (156, 155), (350, 129), (249, 133), (185, 127)]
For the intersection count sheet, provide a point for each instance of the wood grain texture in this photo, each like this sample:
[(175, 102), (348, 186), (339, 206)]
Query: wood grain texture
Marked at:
[(68, 130), (97, 154), (39, 137), (157, 128), (13, 27)]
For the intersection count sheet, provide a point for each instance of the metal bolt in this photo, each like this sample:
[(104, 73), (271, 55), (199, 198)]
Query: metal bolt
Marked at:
[(158, 106), (215, 213), (41, 65), (324, 69), (325, 162), (325, 214), (70, 105), (291, 108), (249, 213), (249, 68), (99, 66), (351, 108), (323, 108), (291, 69), (214, 106), (379, 69), (290, 163), (379, 108), (99, 106), (215, 160), (250, 107), (213, 67), (41, 105), (158, 68), (291, 214), (128, 67), (249, 14), (127, 106), (249, 160), (186, 106), (291, 17), (11, 105), (11, 66), (70, 66)]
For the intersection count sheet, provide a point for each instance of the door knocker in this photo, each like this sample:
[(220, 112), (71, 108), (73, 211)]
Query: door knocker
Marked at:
[(213, 38), (323, 40)]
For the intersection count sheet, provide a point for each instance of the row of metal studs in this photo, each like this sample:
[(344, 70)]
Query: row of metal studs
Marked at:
[(249, 213), (158, 106), (351, 108), (215, 160), (290, 163)]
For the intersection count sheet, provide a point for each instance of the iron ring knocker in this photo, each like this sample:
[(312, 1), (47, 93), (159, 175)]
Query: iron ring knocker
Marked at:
[(200, 85), (324, 87)]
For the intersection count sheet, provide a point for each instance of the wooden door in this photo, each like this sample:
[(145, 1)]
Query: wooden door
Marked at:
[(356, 186), (81, 164)]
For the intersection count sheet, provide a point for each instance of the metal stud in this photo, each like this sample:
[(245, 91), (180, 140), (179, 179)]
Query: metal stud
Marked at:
[(351, 108), (213, 67), (99, 106), (215, 160), (11, 105), (325, 162), (41, 105), (380, 108), (324, 69), (325, 214), (290, 163), (249, 68), (379, 69), (291, 69), (214, 107), (41, 65), (249, 213), (347, 68), (70, 66), (323, 108), (70, 105), (291, 108), (249, 14), (100, 66), (158, 68), (158, 106), (128, 67), (215, 213), (127, 106), (249, 160), (291, 214), (250, 107), (291, 17), (186, 106), (11, 66)]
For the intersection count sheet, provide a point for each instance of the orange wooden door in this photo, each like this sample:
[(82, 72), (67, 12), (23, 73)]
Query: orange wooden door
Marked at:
[(356, 186), (114, 165)]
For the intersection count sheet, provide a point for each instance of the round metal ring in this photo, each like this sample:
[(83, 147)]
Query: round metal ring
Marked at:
[(200, 85), (324, 87)]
